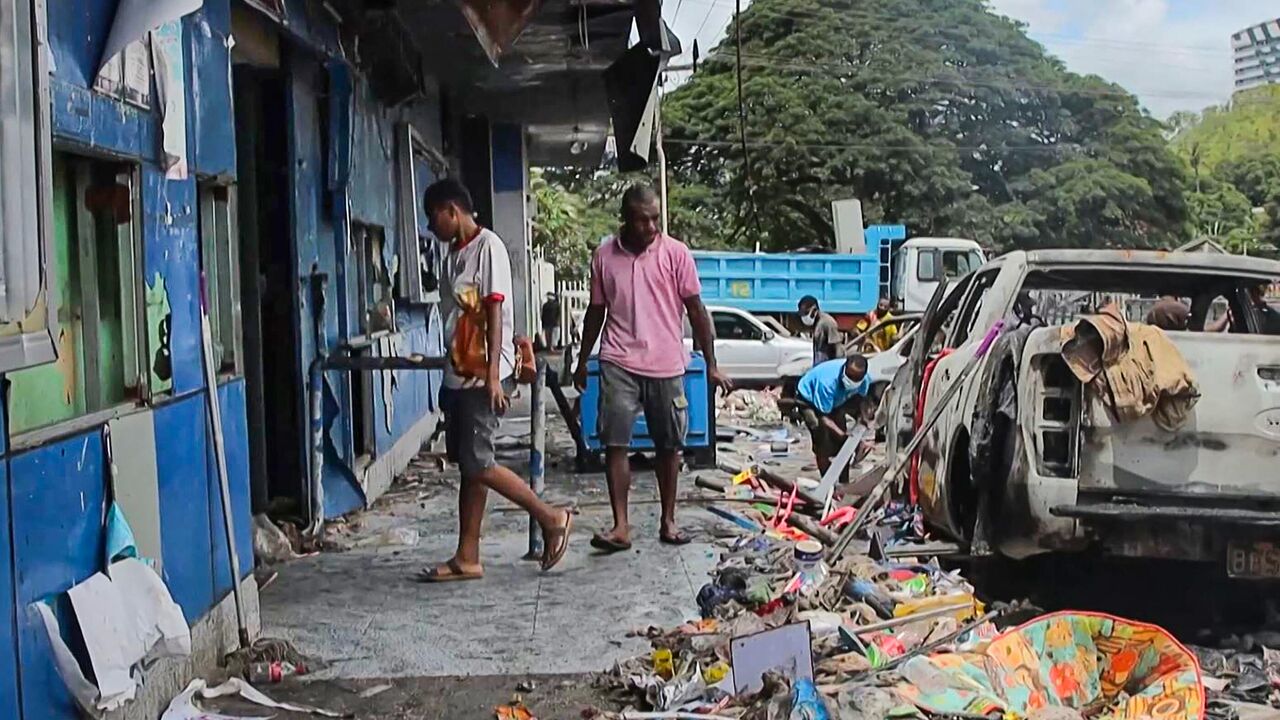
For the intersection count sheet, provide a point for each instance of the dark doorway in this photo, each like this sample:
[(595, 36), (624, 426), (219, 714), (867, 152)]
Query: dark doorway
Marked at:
[(269, 299)]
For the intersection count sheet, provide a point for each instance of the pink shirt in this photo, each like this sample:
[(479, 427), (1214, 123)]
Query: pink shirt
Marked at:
[(644, 296)]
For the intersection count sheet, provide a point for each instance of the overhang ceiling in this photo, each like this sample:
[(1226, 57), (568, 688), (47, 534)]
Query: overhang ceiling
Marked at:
[(551, 80)]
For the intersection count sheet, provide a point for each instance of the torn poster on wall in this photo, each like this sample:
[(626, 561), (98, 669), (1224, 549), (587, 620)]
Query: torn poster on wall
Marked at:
[(135, 18), (171, 82), (127, 75)]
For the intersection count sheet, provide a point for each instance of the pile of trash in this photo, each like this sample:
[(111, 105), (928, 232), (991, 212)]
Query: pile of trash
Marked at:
[(1235, 679), (840, 616), (754, 406)]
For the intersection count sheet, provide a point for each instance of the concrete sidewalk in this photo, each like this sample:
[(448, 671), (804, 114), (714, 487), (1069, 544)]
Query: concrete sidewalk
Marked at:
[(361, 611)]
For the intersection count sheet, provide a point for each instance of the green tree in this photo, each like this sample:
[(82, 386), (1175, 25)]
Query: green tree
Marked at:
[(1220, 210), (1257, 176), (935, 113), (565, 229), (1249, 127)]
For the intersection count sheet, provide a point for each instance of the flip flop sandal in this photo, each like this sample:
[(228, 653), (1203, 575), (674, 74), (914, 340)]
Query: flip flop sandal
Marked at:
[(608, 544), (552, 555), (455, 574), (678, 539)]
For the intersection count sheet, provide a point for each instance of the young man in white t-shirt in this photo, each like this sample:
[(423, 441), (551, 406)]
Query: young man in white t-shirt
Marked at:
[(479, 332)]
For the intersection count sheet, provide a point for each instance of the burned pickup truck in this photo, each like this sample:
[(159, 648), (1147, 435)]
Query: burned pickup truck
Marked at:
[(1138, 442)]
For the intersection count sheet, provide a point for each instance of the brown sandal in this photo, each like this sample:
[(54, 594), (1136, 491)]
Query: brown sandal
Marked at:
[(455, 574), (556, 542)]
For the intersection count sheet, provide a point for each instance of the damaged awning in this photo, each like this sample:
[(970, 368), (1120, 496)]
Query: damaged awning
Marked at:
[(538, 63)]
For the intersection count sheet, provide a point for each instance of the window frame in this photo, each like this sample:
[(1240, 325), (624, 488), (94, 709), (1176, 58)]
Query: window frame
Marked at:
[(134, 346), (415, 244), (222, 286), (736, 318), (28, 322), (935, 275)]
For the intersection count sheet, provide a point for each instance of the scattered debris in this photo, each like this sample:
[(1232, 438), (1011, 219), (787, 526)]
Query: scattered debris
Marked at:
[(756, 406), (269, 652), (794, 629), (270, 544), (515, 711), (375, 690), (184, 706)]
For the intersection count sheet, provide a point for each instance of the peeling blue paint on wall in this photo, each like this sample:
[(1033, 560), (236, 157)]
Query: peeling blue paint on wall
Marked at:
[(59, 496), (172, 248), (212, 124), (231, 400), (9, 705), (186, 530)]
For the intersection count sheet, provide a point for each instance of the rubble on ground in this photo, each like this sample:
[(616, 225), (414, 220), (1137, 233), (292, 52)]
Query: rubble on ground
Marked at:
[(887, 631), (753, 406)]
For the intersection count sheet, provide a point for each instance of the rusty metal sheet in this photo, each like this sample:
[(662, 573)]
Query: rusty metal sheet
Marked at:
[(498, 23)]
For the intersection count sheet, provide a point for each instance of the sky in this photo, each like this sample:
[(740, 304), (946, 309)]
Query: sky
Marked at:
[(1173, 54)]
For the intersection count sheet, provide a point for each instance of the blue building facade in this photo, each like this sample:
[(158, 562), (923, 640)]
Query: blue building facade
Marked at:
[(282, 188)]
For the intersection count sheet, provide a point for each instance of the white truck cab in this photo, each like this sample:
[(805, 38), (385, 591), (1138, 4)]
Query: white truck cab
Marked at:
[(919, 264)]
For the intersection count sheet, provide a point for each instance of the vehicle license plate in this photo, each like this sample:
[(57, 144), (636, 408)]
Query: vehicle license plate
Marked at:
[(1256, 560)]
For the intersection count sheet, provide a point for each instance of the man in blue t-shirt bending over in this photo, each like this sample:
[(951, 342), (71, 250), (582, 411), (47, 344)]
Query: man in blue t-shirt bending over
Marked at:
[(826, 391)]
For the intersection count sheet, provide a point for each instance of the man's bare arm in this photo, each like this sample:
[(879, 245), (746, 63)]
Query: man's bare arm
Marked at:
[(592, 324), (700, 321)]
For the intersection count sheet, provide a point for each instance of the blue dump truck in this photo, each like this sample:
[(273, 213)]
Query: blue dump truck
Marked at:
[(846, 284)]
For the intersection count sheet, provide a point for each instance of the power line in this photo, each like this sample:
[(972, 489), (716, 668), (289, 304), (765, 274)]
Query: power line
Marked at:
[(679, 4), (710, 6)]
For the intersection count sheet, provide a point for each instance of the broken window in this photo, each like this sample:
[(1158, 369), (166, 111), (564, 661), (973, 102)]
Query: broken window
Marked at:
[(417, 166), (374, 278), (220, 261), (95, 266), (27, 324)]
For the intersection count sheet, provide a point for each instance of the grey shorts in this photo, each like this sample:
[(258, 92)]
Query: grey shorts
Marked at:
[(623, 395), (470, 426)]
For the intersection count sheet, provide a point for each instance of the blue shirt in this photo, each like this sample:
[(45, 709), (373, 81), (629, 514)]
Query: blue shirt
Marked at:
[(824, 387)]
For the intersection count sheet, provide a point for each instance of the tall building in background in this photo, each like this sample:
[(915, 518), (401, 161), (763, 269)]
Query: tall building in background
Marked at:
[(1257, 55)]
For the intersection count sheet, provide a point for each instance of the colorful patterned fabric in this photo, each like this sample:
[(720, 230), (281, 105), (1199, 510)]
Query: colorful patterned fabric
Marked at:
[(1103, 666)]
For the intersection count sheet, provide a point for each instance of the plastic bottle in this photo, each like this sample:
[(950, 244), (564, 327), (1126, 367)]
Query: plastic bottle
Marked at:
[(274, 672), (812, 571)]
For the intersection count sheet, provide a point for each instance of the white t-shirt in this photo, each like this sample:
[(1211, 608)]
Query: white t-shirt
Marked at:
[(478, 271)]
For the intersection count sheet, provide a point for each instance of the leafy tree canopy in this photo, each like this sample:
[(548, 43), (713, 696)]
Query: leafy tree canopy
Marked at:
[(935, 113)]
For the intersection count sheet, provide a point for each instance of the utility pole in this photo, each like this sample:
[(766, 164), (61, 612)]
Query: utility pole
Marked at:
[(662, 158)]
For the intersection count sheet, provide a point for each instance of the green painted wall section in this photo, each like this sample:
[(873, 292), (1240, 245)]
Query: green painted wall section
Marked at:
[(52, 393)]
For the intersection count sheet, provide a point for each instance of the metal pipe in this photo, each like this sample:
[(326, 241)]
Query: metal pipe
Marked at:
[(662, 161), (220, 460), (537, 452), (315, 378)]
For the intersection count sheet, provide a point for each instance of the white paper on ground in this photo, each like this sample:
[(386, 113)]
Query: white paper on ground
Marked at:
[(183, 707), (135, 18), (110, 636), (786, 650)]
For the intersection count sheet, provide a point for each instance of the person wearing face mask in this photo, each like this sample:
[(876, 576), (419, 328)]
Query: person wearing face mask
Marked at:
[(826, 393), (828, 342)]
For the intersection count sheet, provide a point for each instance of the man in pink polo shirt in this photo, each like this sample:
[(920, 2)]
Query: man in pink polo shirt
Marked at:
[(642, 284)]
